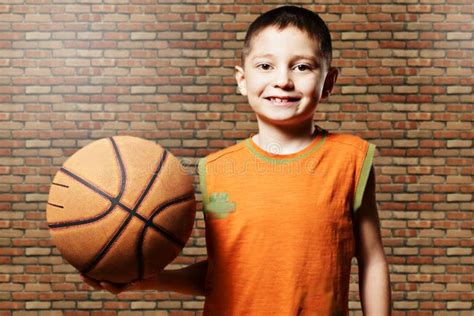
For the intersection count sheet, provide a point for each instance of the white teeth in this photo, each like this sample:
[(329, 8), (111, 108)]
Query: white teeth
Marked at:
[(278, 100)]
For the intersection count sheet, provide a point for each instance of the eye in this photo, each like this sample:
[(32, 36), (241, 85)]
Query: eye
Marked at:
[(263, 66), (303, 67)]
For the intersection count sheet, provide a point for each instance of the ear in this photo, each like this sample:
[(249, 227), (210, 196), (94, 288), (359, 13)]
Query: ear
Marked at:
[(331, 78), (240, 78)]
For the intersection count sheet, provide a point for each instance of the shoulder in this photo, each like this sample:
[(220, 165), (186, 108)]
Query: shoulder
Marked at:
[(217, 163), (224, 154), (353, 151), (347, 141)]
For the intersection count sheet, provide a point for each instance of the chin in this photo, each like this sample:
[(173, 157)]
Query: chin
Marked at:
[(280, 121), (292, 119)]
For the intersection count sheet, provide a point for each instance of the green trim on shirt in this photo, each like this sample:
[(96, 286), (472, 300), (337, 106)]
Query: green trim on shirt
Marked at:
[(285, 160), (202, 181), (363, 177)]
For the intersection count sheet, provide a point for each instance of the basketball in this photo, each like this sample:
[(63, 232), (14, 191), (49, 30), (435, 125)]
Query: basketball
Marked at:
[(121, 209)]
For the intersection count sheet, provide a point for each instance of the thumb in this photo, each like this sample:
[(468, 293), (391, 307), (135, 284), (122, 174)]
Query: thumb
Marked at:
[(91, 282), (114, 288)]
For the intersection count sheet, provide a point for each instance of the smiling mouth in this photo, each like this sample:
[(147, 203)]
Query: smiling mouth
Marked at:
[(282, 101)]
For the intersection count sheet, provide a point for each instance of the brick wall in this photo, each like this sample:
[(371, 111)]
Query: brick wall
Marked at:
[(72, 72)]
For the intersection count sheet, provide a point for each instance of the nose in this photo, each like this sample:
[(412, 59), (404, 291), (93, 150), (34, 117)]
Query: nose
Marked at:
[(283, 79)]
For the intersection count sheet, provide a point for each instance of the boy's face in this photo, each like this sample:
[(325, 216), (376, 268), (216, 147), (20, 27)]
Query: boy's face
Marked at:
[(283, 77)]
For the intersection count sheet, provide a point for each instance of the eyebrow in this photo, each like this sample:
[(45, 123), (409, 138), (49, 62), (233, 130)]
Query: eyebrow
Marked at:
[(310, 57)]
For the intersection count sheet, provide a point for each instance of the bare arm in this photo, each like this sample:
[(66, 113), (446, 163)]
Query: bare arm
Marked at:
[(189, 280), (374, 278)]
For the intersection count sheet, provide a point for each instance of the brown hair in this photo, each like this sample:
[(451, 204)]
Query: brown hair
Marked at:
[(285, 16)]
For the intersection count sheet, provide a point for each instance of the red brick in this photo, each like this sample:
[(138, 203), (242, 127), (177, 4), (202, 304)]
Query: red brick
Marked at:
[(421, 103)]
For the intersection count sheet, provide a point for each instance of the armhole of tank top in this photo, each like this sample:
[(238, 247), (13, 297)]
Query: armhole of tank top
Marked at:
[(202, 181), (363, 177)]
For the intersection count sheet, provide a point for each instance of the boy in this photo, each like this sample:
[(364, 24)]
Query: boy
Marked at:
[(288, 208)]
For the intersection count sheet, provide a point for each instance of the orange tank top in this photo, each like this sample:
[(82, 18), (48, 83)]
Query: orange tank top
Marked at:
[(279, 227)]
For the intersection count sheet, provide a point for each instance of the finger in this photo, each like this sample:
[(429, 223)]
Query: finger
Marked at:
[(112, 287), (132, 286), (91, 282)]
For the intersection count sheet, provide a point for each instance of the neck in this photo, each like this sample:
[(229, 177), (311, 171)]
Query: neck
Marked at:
[(284, 140)]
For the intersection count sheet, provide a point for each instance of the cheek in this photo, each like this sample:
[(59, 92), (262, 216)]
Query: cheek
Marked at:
[(256, 85), (312, 87), (309, 88)]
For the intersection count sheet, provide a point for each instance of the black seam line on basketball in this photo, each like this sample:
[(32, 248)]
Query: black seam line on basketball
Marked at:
[(166, 204), (61, 185), (112, 200), (55, 205), (96, 189), (123, 180), (152, 180), (87, 184), (132, 212), (98, 217), (107, 246), (139, 253), (161, 230), (168, 235), (81, 221), (141, 237), (115, 201)]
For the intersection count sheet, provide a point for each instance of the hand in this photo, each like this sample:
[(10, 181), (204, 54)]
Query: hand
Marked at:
[(114, 288)]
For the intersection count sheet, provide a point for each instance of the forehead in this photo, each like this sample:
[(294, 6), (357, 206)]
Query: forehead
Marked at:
[(272, 40)]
